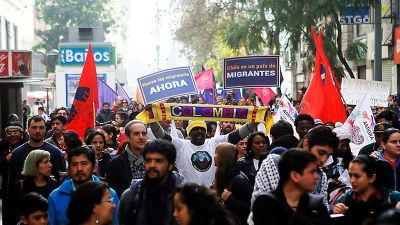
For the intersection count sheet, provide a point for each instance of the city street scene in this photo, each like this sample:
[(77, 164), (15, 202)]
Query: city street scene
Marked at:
[(195, 112)]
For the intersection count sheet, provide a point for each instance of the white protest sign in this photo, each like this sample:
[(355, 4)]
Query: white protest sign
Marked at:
[(353, 90)]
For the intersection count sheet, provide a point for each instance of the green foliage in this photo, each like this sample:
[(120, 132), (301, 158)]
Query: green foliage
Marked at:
[(356, 51), (262, 26), (59, 15)]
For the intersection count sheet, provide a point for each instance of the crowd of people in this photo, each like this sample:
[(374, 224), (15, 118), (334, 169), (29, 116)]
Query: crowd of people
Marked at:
[(197, 172)]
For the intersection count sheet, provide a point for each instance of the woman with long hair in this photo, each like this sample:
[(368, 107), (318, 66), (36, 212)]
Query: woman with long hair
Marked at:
[(98, 140), (366, 199), (111, 134), (197, 205), (230, 184), (242, 148), (37, 178), (69, 140), (257, 145), (91, 204)]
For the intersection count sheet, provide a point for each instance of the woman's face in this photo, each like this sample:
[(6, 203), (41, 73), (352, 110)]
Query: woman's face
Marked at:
[(98, 143), (242, 146), (44, 167), (107, 136), (259, 146), (392, 146), (358, 178), (181, 211), (118, 120), (104, 210)]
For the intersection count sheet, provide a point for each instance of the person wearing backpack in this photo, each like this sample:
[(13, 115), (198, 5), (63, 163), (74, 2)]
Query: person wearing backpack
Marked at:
[(151, 200), (290, 203)]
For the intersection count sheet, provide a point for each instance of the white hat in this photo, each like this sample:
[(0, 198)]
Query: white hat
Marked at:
[(341, 132)]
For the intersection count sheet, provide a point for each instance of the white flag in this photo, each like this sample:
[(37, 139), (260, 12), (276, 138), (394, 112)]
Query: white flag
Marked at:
[(361, 124)]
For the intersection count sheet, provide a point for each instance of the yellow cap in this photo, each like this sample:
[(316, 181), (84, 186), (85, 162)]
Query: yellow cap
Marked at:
[(195, 123)]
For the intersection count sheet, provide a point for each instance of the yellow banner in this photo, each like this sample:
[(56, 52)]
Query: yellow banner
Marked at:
[(176, 111)]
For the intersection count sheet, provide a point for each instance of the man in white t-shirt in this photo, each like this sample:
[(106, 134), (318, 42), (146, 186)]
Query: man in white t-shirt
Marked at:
[(195, 156)]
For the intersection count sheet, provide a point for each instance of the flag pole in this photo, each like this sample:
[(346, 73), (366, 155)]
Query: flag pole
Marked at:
[(94, 114)]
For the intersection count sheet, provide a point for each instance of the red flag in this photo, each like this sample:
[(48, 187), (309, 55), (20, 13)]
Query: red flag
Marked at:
[(265, 94), (86, 100), (205, 80), (322, 99)]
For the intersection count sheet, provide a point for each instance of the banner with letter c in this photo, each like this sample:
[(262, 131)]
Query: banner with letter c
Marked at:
[(174, 111)]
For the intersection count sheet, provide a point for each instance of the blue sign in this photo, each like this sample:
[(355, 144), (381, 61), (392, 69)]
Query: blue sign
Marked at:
[(355, 15), (71, 84), (251, 72), (75, 56), (165, 84)]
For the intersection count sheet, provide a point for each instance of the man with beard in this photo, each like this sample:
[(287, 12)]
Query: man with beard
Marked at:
[(227, 127), (37, 131), (13, 137), (195, 156), (150, 201), (82, 165)]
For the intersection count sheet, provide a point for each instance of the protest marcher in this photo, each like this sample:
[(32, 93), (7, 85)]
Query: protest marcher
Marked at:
[(13, 137), (125, 108), (290, 203), (211, 128), (121, 119), (242, 148), (58, 123), (179, 126), (227, 127), (43, 114), (82, 164), (257, 144), (341, 158), (366, 199), (92, 203), (111, 134), (105, 116), (389, 160), (33, 210), (282, 136), (129, 164), (196, 205), (379, 128), (232, 185), (303, 124), (320, 141), (98, 140), (195, 156), (150, 201), (69, 140), (37, 131), (36, 172)]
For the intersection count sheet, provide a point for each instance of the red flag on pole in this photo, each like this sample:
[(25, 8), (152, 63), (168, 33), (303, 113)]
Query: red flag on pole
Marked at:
[(322, 99), (205, 80), (265, 94), (86, 100)]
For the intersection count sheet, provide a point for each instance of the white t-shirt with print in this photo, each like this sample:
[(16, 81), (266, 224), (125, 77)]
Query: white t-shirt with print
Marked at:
[(196, 163)]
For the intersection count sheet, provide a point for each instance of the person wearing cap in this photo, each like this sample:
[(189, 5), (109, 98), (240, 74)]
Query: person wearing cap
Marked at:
[(13, 137), (379, 128), (58, 123), (195, 157), (125, 107)]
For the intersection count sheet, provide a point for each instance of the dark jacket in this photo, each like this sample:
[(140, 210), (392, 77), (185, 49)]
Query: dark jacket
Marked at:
[(238, 202), (143, 204), (103, 164), (105, 117), (246, 165), (387, 176), (24, 186), (359, 211), (19, 155), (272, 209), (119, 174)]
